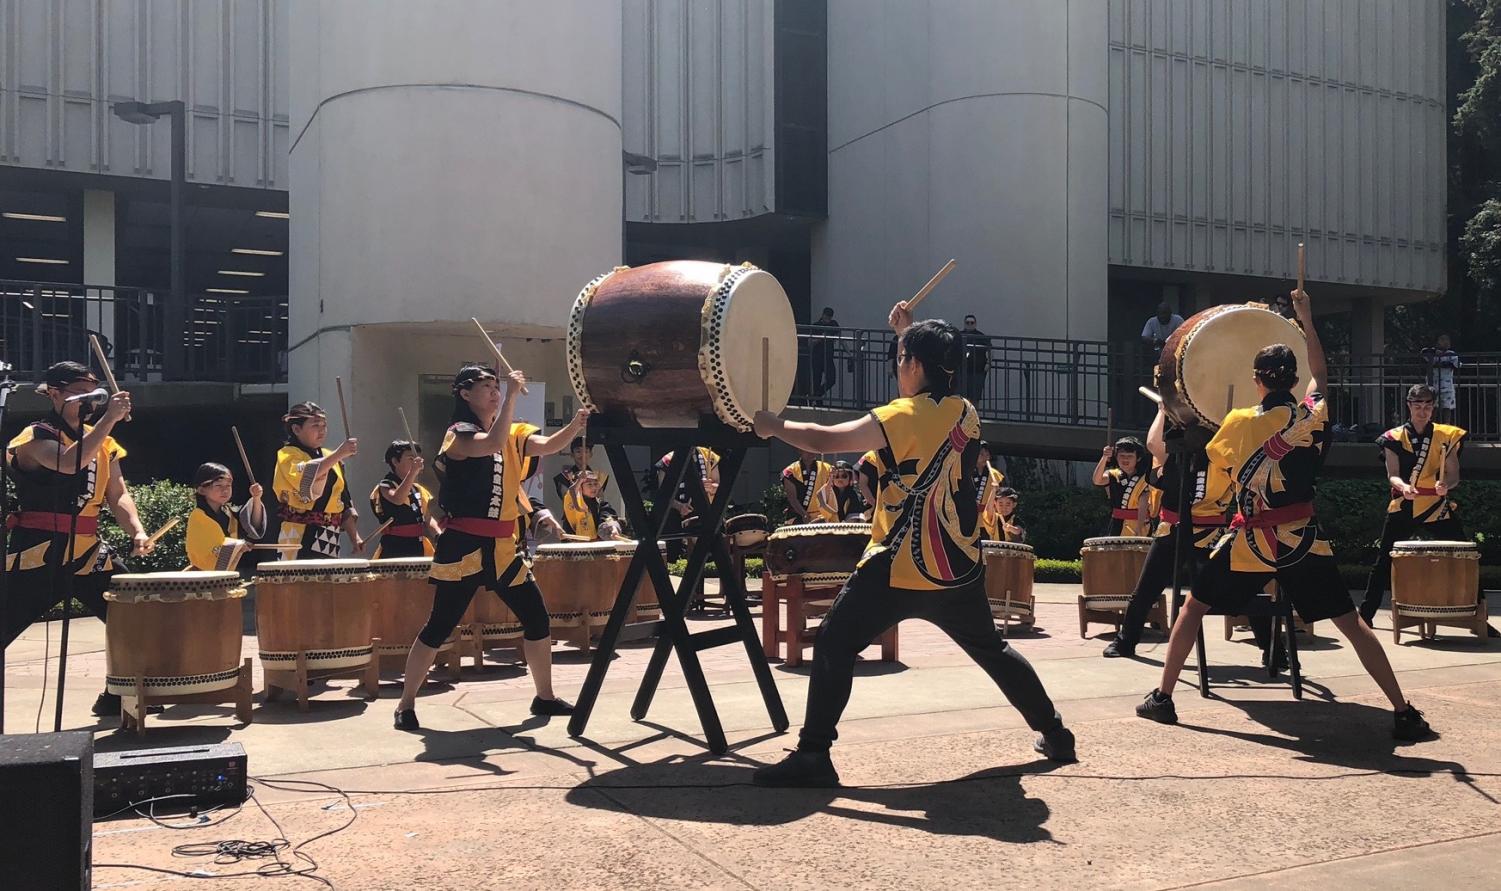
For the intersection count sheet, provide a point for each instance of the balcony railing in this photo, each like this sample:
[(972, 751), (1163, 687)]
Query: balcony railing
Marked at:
[(1088, 383), (228, 338)]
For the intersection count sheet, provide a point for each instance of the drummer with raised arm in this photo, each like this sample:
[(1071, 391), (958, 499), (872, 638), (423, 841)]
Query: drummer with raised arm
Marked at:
[(999, 517), (1272, 453), (219, 534), (586, 514), (405, 503), (311, 489), (57, 507), (481, 466), (1133, 501), (923, 559)]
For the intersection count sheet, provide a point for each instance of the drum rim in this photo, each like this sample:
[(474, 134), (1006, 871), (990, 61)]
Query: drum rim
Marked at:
[(1007, 546), (1211, 422), (1419, 544), (204, 575), (287, 566), (1133, 539), (574, 353), (793, 530), (400, 561), (711, 335), (576, 547)]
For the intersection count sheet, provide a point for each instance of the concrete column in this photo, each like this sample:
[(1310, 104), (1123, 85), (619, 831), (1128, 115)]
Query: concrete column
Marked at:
[(1367, 339), (99, 259)]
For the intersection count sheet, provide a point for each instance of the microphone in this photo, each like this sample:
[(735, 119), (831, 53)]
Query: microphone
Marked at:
[(91, 396)]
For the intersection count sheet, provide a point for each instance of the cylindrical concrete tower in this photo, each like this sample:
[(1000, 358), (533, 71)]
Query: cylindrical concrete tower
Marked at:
[(449, 159), (975, 130)]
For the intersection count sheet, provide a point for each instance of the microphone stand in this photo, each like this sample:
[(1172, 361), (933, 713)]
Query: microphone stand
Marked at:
[(71, 575), (6, 385)]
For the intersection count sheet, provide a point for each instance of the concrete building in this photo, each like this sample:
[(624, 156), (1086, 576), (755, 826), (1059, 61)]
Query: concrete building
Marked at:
[(1082, 159)]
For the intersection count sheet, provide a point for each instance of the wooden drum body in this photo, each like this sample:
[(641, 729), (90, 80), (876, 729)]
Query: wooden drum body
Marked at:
[(746, 531), (669, 344), (1205, 369), (824, 554), (401, 601), (579, 582), (177, 631), (1008, 581), (1111, 566), (320, 608), (1434, 583)]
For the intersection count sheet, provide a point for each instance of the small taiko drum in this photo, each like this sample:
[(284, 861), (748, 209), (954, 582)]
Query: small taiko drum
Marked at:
[(1111, 566), (1205, 369), (1008, 580), (824, 554), (320, 608), (579, 581), (670, 344), (746, 531), (1434, 583), (646, 606), (179, 632), (401, 599)]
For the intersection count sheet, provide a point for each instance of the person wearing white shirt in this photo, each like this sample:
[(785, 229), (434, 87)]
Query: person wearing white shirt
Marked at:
[(1157, 329)]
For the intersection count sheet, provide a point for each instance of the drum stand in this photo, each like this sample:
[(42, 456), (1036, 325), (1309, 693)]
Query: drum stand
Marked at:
[(133, 705), (295, 680), (673, 633)]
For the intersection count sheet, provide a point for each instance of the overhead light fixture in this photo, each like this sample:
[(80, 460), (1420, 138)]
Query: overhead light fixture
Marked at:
[(245, 272), (273, 214), (49, 261), (27, 304), (34, 217), (255, 252), (225, 291)]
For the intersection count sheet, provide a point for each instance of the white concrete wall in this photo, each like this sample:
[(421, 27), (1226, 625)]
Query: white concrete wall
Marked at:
[(975, 130), (62, 62), (452, 159)]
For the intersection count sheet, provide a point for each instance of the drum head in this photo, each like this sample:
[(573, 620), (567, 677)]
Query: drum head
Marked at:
[(1012, 548), (400, 563), (1215, 358), (146, 579), (576, 549), (753, 309), (1119, 542), (1422, 546), (797, 529)]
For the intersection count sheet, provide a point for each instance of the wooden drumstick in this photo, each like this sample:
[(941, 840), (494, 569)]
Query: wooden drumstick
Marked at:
[(1150, 394), (1109, 426), (1302, 266), (343, 407), (157, 535), (569, 536), (927, 289), (404, 425), (276, 547), (244, 458), (1230, 399), (766, 374), (500, 359), (109, 376)]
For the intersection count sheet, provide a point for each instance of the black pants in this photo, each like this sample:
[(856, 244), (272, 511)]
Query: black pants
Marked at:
[(32, 592), (1157, 575), (868, 606), (1399, 526)]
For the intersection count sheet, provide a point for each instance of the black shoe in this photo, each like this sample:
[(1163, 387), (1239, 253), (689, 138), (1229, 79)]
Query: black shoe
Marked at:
[(799, 769), (1056, 745), (406, 719), (1158, 708), (1119, 648), (1409, 725), (1490, 631), (1282, 664), (550, 707), (107, 706)]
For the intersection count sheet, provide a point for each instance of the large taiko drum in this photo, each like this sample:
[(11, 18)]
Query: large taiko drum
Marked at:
[(822, 553), (401, 599), (321, 608), (1111, 566), (1433, 583), (646, 606), (1205, 369), (579, 581), (177, 631), (668, 344), (1008, 581)]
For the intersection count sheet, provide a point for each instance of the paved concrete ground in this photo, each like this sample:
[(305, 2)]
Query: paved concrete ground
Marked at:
[(942, 787)]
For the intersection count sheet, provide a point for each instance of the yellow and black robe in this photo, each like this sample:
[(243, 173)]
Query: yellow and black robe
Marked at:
[(407, 534), (311, 523), (807, 481), (485, 503), (1420, 460), (1125, 494), (212, 533), (582, 514)]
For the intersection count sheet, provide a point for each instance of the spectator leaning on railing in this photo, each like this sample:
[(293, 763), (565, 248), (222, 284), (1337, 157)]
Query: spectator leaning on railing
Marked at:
[(1442, 362), (1159, 327)]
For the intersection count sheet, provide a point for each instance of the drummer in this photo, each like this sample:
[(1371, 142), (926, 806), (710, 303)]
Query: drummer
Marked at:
[(1133, 502), (840, 498), (705, 470), (311, 489), (801, 482), (869, 471), (405, 503), (481, 466), (582, 452), (42, 459), (1207, 498), (999, 517), (1422, 465), (1272, 453), (215, 538), (586, 514), (930, 570), (987, 479)]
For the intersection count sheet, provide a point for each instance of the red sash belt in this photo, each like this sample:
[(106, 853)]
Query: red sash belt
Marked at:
[(1421, 490), (1171, 518), (50, 522), (325, 519), (1125, 513), (404, 530), (1276, 516), (482, 527)]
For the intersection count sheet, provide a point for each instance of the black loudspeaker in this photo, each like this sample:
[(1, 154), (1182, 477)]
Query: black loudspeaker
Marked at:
[(47, 797)]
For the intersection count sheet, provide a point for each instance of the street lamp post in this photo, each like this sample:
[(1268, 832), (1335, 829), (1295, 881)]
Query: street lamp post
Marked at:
[(175, 317)]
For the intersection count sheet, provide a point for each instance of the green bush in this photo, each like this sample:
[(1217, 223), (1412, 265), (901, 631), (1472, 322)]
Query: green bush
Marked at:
[(1351, 512), (753, 566), (1058, 520), (156, 503), (1060, 571)]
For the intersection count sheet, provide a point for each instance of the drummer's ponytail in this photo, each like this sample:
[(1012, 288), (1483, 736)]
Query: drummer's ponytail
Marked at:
[(1277, 367), (934, 344)]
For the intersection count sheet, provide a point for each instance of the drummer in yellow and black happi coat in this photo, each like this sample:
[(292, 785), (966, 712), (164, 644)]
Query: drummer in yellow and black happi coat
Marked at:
[(1133, 501), (998, 519), (406, 503), (63, 476), (1272, 453), (923, 560), (802, 480), (585, 513), (311, 488), (218, 534), (1422, 465), (481, 468)]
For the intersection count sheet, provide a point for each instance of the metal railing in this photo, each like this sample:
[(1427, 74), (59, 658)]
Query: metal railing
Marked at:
[(227, 338), (1086, 382)]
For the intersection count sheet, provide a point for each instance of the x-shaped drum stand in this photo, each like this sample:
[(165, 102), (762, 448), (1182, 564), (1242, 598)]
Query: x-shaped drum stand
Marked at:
[(671, 630)]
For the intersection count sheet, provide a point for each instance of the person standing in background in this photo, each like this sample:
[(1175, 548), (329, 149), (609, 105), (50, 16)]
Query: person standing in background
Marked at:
[(976, 360), (1443, 362), (821, 354)]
